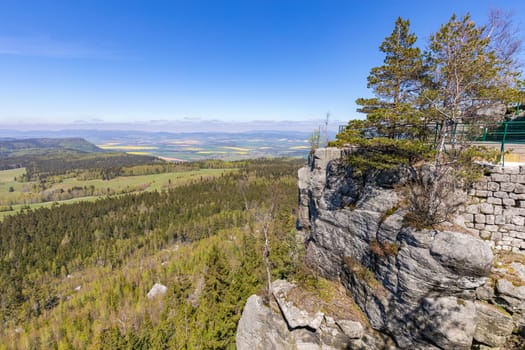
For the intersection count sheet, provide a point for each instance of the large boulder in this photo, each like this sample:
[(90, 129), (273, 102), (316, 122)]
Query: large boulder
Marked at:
[(295, 317), (351, 329), (513, 296), (259, 328), (448, 322), (157, 289), (268, 326), (462, 253)]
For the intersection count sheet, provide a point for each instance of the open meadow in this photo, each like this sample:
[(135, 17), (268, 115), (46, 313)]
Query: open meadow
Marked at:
[(15, 195)]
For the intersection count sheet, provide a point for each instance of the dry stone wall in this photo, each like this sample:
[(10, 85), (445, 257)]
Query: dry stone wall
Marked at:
[(497, 208)]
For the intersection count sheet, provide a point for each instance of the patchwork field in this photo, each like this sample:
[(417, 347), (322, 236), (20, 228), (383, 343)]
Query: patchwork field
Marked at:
[(199, 146)]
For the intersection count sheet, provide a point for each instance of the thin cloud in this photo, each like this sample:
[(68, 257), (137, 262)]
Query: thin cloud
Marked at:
[(43, 46)]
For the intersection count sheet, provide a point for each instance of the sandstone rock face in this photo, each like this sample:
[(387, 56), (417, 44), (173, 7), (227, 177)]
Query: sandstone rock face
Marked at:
[(285, 324), (351, 329), (295, 317), (428, 289), (493, 325), (452, 322), (416, 289), (514, 297), (260, 329)]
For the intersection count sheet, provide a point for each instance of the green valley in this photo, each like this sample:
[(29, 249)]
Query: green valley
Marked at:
[(79, 273)]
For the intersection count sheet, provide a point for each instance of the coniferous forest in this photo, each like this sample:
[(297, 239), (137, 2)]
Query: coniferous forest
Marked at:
[(77, 276)]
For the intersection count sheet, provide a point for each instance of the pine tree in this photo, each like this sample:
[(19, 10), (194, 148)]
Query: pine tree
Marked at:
[(395, 83)]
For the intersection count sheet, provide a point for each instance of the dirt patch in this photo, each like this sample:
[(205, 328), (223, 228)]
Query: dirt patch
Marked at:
[(331, 298)]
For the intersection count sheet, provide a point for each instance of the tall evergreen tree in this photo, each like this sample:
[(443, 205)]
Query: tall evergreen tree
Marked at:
[(395, 83)]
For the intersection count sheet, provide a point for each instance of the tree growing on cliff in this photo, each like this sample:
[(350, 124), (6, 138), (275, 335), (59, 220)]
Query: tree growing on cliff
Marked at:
[(462, 71), (466, 75), (396, 84), (391, 132)]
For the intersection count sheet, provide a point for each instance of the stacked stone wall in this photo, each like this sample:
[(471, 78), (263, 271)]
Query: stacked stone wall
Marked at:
[(497, 208)]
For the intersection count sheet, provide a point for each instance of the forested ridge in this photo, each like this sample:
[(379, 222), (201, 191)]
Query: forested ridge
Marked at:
[(202, 240), (40, 166), (9, 146)]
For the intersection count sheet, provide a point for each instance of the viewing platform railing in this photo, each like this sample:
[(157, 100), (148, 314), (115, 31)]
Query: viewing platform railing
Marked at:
[(501, 133)]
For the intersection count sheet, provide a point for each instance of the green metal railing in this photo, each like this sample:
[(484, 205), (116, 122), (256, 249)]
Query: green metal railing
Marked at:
[(505, 132)]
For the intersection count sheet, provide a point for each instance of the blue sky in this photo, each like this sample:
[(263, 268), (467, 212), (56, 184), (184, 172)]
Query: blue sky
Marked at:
[(135, 61)]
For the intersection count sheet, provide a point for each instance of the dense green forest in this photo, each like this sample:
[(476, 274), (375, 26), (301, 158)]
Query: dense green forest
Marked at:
[(43, 158), (76, 276), (60, 162), (9, 146)]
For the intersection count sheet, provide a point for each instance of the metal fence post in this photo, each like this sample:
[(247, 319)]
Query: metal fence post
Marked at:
[(502, 151)]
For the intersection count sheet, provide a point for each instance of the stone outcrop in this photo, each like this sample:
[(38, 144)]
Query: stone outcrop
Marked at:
[(493, 326), (260, 328), (421, 288), (292, 320), (295, 317)]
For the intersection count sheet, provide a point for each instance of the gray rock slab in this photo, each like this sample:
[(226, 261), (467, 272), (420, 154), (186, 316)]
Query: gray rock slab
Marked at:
[(295, 317), (157, 289), (493, 325), (463, 253), (351, 329), (448, 322)]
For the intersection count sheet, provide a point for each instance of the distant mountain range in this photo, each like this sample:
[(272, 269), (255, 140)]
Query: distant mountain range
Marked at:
[(97, 136), (186, 125), (186, 146)]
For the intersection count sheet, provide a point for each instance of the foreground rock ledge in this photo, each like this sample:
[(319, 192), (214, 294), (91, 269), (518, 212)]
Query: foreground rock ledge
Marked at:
[(288, 322)]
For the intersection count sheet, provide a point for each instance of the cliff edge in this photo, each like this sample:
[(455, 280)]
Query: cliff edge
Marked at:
[(439, 288)]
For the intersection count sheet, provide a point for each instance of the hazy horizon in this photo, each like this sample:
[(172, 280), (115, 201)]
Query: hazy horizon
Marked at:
[(178, 126)]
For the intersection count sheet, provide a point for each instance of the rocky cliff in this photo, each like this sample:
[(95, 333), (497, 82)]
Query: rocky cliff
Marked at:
[(415, 289)]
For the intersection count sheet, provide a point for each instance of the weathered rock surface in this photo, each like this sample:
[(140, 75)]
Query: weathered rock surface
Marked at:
[(260, 329), (294, 327), (462, 253), (426, 289), (295, 317), (422, 287), (513, 296), (493, 325), (452, 322), (352, 329)]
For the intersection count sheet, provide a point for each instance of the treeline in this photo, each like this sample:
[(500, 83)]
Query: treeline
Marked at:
[(169, 167), (54, 166), (43, 191), (208, 285), (41, 166), (14, 146)]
